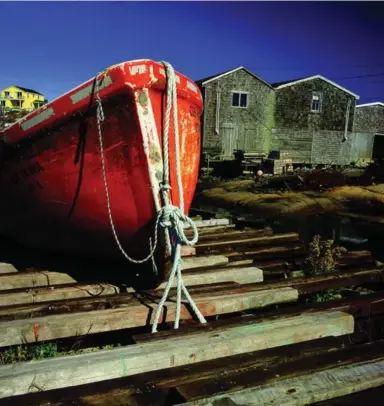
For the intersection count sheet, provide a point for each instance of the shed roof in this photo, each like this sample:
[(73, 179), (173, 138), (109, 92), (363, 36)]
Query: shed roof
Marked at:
[(208, 79), (281, 85), (371, 104)]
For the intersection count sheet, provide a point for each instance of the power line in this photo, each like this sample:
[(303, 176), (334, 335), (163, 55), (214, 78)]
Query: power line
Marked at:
[(309, 67), (360, 76)]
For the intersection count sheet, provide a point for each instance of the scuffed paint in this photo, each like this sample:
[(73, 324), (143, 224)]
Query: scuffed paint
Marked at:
[(151, 144), (137, 69), (153, 78), (39, 118), (86, 92), (191, 86), (143, 98)]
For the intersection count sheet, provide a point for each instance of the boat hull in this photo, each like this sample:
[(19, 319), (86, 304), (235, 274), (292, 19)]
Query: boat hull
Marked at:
[(51, 180)]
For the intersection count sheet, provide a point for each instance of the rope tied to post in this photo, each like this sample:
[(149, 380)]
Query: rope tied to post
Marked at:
[(170, 218)]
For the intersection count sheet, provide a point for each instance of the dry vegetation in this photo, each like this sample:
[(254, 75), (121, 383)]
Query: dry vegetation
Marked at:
[(242, 195)]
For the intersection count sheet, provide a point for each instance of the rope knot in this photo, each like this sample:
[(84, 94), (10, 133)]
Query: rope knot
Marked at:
[(172, 217)]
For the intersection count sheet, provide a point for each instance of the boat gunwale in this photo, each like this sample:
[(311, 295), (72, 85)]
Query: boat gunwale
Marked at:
[(124, 78)]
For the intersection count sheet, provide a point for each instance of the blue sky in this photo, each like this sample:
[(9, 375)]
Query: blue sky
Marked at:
[(55, 46)]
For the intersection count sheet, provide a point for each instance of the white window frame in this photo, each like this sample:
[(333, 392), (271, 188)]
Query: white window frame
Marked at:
[(320, 102), (240, 92)]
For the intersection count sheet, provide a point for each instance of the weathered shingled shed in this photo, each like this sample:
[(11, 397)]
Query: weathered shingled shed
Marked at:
[(238, 113), (369, 120), (313, 119)]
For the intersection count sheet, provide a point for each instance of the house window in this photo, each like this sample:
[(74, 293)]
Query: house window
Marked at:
[(2, 103), (316, 102), (19, 95), (6, 94), (239, 99)]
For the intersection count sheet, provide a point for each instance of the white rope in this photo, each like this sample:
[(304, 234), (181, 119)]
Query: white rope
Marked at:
[(171, 218)]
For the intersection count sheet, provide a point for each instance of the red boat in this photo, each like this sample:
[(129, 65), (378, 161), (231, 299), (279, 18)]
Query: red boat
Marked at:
[(51, 180)]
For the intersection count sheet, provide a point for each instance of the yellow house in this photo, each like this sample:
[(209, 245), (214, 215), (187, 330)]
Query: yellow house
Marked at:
[(21, 98)]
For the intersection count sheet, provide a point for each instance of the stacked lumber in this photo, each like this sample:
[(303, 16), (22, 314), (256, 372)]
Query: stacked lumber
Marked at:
[(262, 344)]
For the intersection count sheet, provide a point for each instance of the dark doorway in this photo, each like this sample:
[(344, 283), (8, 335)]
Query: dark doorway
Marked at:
[(378, 146)]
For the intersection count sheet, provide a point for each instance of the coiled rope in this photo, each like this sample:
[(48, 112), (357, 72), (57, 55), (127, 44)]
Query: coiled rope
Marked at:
[(170, 218)]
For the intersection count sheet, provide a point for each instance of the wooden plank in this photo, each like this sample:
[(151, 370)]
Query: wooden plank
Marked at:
[(31, 279), (199, 262), (264, 253), (332, 280), (238, 275), (226, 265), (135, 314), (248, 242), (366, 397), (230, 234), (108, 392), (210, 223), (87, 368), (211, 231), (305, 285), (41, 309), (120, 390), (59, 292), (367, 306), (7, 268), (288, 363), (187, 251), (304, 390)]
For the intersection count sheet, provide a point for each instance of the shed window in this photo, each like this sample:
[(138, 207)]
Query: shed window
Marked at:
[(239, 99), (316, 102)]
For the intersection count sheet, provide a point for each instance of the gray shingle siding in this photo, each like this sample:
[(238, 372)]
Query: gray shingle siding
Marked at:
[(252, 126), (370, 119), (293, 107)]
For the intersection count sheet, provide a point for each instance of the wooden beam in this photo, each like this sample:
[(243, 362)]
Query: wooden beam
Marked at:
[(224, 246), (210, 223), (272, 253), (306, 285), (108, 392), (187, 251), (289, 362), (219, 375), (332, 280), (304, 390), (364, 307), (366, 397), (200, 262), (211, 231), (228, 234), (59, 292), (30, 279), (135, 314), (127, 361), (238, 275), (7, 268)]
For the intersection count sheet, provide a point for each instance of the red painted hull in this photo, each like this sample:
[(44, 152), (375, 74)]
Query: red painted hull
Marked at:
[(52, 202)]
